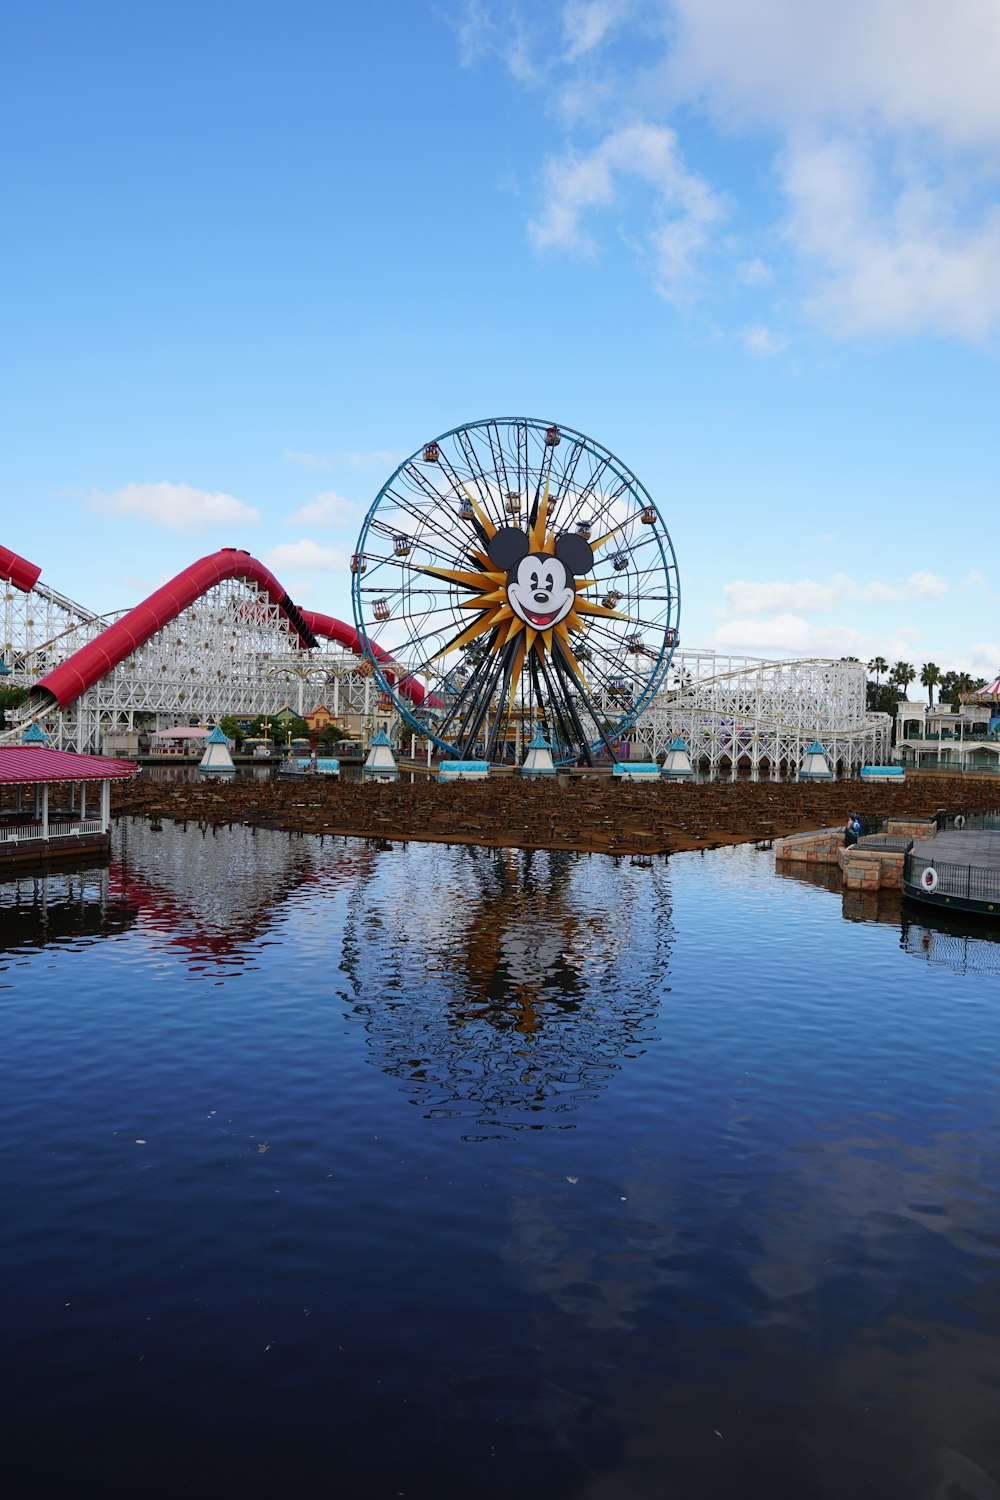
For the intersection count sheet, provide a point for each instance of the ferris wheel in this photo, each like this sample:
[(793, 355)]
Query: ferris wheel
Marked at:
[(511, 577)]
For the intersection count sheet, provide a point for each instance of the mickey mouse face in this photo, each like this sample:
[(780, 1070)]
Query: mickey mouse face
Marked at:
[(541, 587), (540, 591)]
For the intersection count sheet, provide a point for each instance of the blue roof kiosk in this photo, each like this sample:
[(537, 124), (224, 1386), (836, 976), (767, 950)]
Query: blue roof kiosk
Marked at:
[(538, 761), (677, 762), (380, 764), (815, 764), (217, 759)]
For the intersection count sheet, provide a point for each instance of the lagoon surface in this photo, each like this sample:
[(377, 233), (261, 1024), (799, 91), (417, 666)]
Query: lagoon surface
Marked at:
[(441, 1172)]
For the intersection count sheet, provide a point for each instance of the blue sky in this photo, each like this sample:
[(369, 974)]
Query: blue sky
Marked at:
[(256, 254)]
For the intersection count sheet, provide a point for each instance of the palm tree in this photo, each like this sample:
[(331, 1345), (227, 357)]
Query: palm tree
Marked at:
[(902, 675), (930, 675), (878, 665)]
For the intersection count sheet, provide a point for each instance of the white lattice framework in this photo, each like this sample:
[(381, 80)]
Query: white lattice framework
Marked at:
[(231, 652), (740, 712), (234, 652), (41, 628)]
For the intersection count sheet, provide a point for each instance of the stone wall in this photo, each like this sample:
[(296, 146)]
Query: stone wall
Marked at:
[(911, 828), (817, 848), (869, 870)]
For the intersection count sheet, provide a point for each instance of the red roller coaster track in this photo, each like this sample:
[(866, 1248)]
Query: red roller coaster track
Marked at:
[(65, 683), (17, 570)]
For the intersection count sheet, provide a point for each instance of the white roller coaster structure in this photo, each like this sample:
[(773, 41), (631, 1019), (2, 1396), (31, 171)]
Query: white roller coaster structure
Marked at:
[(239, 646), (746, 713), (232, 650)]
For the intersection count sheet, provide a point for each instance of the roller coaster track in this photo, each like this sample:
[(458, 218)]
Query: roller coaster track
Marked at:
[(125, 633), (687, 695)]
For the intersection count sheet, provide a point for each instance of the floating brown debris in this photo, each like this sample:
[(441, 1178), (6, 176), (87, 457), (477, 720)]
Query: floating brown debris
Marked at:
[(583, 813)]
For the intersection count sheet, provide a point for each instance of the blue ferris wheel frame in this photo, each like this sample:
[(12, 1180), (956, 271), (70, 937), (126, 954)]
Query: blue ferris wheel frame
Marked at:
[(418, 720)]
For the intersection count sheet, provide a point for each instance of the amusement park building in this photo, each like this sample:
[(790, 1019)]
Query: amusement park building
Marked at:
[(964, 737)]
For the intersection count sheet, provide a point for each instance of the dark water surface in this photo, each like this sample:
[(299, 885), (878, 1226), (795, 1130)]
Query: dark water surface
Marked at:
[(434, 1172)]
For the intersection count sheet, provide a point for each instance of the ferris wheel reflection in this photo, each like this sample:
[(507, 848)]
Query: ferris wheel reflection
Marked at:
[(512, 992)]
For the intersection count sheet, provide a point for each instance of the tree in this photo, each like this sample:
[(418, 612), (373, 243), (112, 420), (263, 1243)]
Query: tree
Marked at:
[(879, 666), (881, 698), (902, 675), (329, 734), (10, 697), (232, 729), (930, 675)]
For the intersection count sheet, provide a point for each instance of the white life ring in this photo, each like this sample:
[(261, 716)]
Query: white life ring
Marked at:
[(929, 880), (960, 821)]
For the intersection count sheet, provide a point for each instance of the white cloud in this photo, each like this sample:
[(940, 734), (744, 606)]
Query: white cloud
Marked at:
[(307, 460), (578, 183), (760, 598), (984, 659), (926, 586), (880, 593), (812, 598), (910, 65), (788, 634), (586, 24), (973, 580), (475, 30), (180, 507), (761, 340), (877, 103), (882, 116), (308, 557), (480, 32), (912, 265), (328, 509)]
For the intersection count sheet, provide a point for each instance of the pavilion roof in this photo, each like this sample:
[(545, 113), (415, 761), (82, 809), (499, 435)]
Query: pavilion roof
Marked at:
[(36, 764)]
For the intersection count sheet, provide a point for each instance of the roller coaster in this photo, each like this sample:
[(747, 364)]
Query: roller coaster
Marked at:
[(224, 637)]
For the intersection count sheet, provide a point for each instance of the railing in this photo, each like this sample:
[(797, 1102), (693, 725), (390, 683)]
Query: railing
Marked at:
[(869, 827), (890, 843), (973, 822), (22, 833), (962, 882), (16, 833), (67, 830)]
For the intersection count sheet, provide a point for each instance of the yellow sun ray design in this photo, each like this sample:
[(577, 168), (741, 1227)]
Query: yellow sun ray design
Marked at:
[(487, 590)]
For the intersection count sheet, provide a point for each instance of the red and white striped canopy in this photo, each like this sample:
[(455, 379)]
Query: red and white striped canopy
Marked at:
[(991, 690)]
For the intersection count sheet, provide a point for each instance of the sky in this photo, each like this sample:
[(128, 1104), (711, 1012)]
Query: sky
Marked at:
[(255, 255)]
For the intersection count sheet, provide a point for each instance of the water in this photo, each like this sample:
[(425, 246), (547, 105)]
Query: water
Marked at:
[(460, 1173)]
